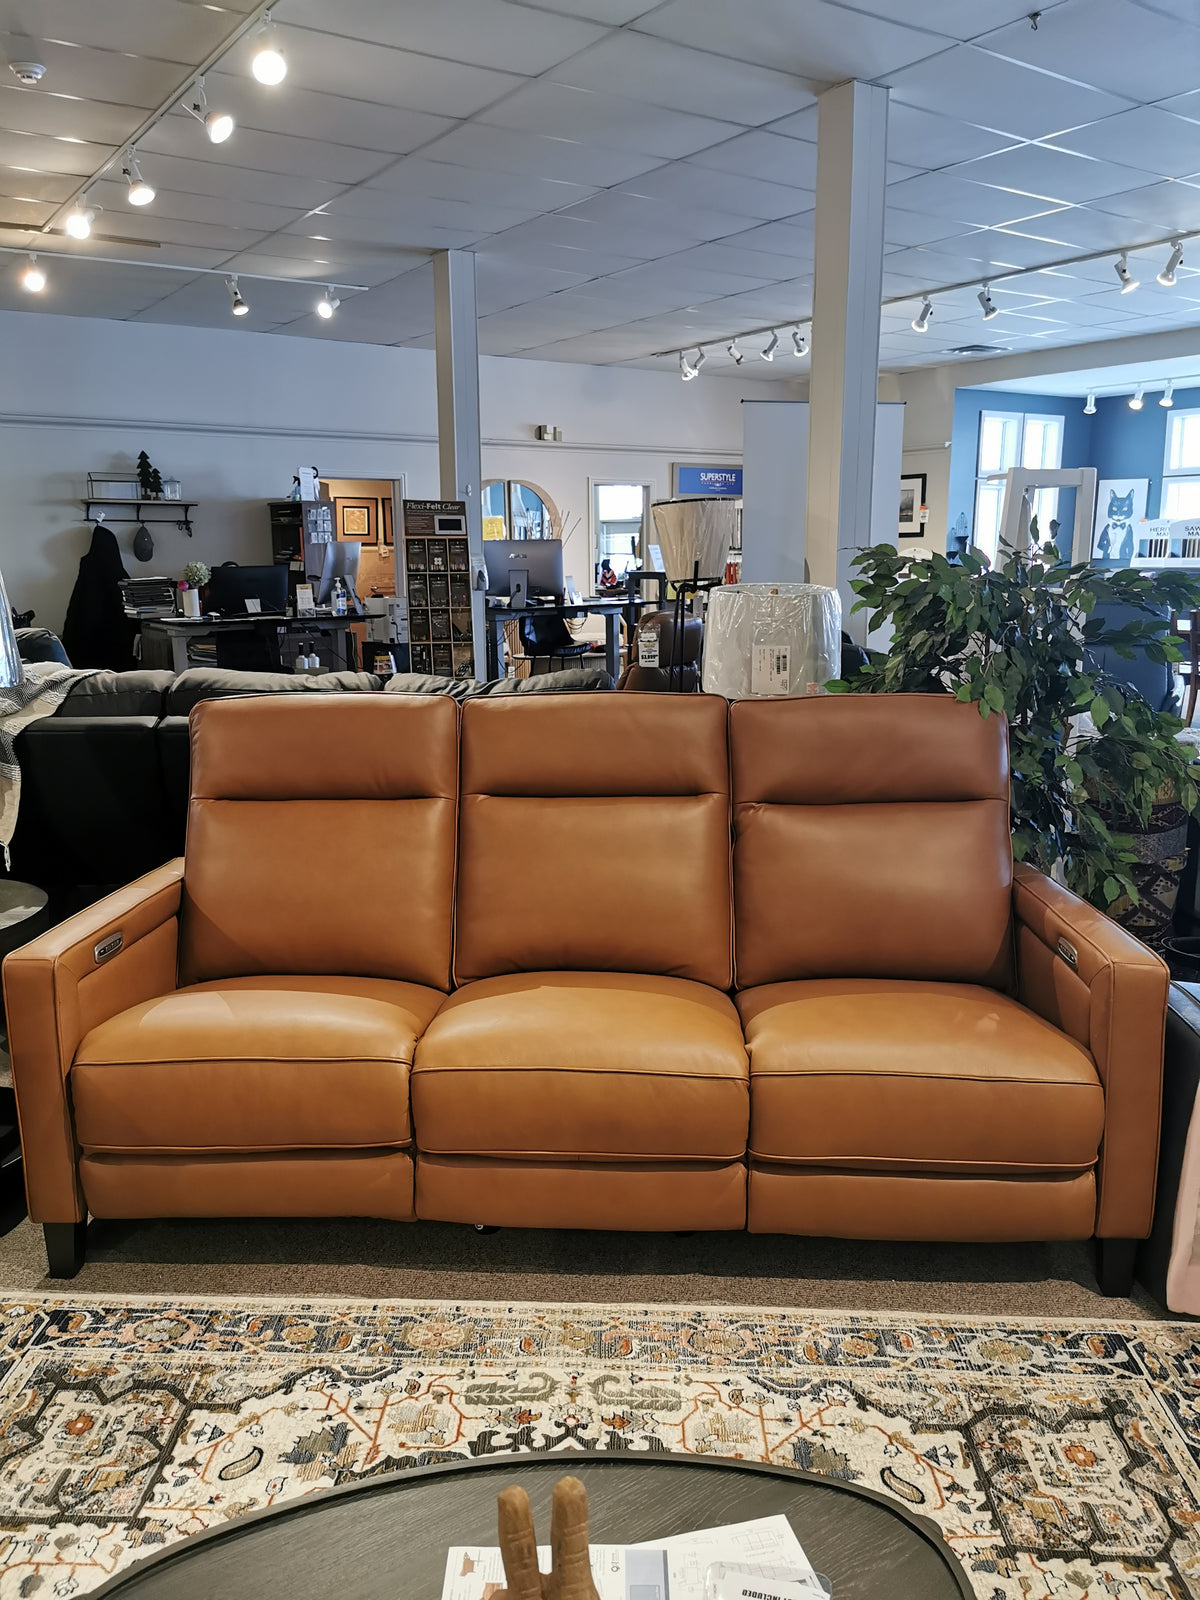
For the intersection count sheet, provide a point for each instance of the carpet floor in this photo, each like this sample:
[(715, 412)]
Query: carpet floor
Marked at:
[(1054, 1458), (439, 1261)]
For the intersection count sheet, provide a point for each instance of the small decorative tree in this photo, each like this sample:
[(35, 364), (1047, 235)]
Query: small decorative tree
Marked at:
[(146, 474), (1015, 638)]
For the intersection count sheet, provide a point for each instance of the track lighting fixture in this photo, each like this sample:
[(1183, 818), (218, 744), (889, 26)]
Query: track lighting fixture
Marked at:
[(987, 304), (1127, 280), (1167, 398), (1135, 400), (920, 323), (327, 305), (769, 349), (217, 124), (33, 279), (140, 192), (701, 358), (1089, 409), (80, 218), (799, 342), (735, 353), (685, 372), (268, 64), (240, 308), (1174, 261)]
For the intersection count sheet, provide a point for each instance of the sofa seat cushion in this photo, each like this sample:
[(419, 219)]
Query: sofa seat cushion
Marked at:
[(587, 1066), (264, 1063), (920, 1076)]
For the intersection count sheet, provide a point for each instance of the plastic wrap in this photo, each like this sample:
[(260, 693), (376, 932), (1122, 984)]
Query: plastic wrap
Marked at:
[(771, 638), (694, 530)]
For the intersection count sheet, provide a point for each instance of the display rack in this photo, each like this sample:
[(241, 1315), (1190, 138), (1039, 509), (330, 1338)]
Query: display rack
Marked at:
[(438, 569), (177, 511)]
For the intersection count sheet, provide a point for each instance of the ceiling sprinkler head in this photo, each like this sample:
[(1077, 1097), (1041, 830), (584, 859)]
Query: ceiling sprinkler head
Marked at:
[(30, 73)]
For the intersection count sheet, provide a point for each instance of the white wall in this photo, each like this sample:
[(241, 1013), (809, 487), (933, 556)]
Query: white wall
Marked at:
[(232, 414)]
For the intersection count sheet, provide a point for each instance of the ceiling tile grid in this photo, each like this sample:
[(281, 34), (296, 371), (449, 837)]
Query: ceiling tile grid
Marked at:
[(630, 175)]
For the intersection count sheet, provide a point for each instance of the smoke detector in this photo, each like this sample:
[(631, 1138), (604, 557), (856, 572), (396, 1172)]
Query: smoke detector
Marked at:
[(30, 73)]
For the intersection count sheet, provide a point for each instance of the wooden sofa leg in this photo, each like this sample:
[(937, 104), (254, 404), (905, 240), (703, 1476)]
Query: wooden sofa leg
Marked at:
[(1114, 1265), (65, 1247)]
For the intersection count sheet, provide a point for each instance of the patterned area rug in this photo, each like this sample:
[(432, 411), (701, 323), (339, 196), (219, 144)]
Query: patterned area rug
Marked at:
[(1059, 1460)]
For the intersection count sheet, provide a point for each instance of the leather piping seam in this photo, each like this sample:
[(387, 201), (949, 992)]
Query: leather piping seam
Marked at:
[(605, 1158), (803, 1075), (932, 1164), (607, 1072), (299, 1060), (90, 1149)]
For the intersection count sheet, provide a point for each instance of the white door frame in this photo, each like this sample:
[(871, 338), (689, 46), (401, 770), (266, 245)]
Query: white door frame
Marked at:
[(593, 523)]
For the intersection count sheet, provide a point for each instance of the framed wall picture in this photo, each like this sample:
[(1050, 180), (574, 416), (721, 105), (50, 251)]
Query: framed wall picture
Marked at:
[(386, 505), (1120, 503), (356, 520), (912, 503)]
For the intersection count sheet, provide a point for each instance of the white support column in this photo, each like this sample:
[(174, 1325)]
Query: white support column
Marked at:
[(457, 341), (848, 287)]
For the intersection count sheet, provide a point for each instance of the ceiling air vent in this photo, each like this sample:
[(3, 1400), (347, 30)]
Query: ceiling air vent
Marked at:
[(978, 350)]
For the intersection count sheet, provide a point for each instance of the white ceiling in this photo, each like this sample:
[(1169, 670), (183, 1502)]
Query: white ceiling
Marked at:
[(633, 178)]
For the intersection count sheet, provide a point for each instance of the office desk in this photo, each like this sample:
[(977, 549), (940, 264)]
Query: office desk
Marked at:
[(498, 612), (165, 640)]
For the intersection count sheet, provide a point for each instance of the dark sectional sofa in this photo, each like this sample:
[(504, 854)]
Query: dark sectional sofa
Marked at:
[(105, 779)]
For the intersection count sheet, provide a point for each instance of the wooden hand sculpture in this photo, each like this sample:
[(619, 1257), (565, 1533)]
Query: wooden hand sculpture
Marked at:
[(570, 1576)]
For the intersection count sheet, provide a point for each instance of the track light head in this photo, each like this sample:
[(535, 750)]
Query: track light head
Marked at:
[(1135, 400), (735, 353), (988, 306), (140, 193), (686, 372), (701, 358), (768, 350), (920, 323), (327, 304), (268, 63), (1126, 278), (1167, 398), (33, 279), (218, 125), (799, 342), (240, 308), (1174, 261), (80, 218), (1089, 409)]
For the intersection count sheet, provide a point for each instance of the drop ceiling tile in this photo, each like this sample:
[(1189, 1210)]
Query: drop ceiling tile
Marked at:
[(634, 216), (782, 304), (1079, 228), (199, 210), (1147, 137), (1056, 176), (612, 12), (415, 211), (976, 87), (791, 238), (902, 228), (188, 234), (205, 303), (43, 111), (265, 152), (815, 40), (390, 77), (34, 153), (51, 188), (170, 30), (731, 255), (530, 154), (687, 283), (956, 19), (684, 183), (1113, 44), (944, 194), (680, 79), (128, 80), (1170, 205), (763, 155), (586, 264), (273, 263), (560, 111), (198, 175), (400, 229), (22, 214), (487, 33), (446, 180), (924, 139)]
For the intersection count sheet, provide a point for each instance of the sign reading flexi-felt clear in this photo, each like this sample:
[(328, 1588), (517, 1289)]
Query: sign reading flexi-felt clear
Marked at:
[(708, 480), (437, 569)]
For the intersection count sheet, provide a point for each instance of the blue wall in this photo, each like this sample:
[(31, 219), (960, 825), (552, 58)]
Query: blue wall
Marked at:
[(1118, 442), (1078, 444)]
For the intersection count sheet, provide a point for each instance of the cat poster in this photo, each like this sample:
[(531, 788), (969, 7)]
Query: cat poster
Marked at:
[(1120, 505)]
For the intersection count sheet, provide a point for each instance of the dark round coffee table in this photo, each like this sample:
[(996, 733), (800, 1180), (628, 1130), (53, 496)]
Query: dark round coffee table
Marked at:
[(386, 1538)]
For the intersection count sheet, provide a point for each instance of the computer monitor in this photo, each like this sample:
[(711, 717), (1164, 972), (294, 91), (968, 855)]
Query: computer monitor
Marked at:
[(341, 561), (540, 559), (231, 586)]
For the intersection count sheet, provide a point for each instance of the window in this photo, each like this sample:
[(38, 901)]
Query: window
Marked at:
[(1181, 467), (1010, 439), (515, 510), (619, 517)]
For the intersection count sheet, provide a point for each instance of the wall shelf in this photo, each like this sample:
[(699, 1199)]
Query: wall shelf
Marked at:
[(176, 511)]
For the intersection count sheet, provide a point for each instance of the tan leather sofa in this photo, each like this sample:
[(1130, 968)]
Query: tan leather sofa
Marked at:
[(636, 961)]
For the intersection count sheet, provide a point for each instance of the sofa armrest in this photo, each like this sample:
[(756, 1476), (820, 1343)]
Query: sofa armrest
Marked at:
[(1080, 971), (59, 987)]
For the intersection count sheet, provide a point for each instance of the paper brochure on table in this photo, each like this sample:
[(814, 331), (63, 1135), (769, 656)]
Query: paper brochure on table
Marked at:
[(673, 1568)]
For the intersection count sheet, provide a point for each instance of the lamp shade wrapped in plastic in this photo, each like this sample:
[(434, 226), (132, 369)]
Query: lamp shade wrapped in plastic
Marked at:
[(771, 638), (10, 659), (691, 531)]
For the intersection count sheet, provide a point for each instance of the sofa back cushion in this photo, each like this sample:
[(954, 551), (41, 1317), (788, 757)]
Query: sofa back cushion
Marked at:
[(594, 836), (871, 839), (219, 683), (321, 836)]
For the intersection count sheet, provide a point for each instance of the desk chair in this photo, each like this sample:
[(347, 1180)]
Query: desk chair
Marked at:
[(549, 637)]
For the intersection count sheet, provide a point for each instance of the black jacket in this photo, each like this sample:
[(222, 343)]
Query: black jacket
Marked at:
[(97, 633)]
